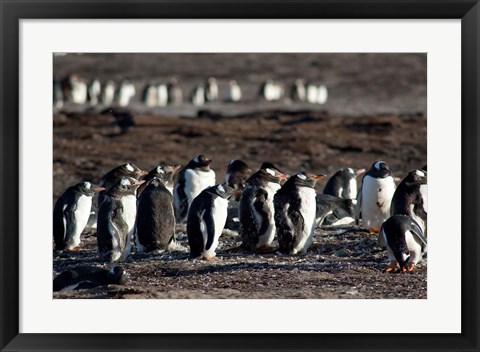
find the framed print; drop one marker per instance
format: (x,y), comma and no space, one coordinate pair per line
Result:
(308,88)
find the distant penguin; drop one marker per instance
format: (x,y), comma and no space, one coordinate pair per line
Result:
(162,94)
(206,219)
(175,94)
(237,174)
(108,93)
(155,224)
(334,211)
(78,89)
(271,91)
(71,213)
(295,209)
(410,198)
(150,95)
(343,183)
(193,179)
(126,92)
(405,242)
(322,94)
(116,220)
(211,90)
(298,91)
(233,93)
(164,173)
(197,96)
(118,172)
(312,93)
(94,91)
(85,277)
(375,196)
(256,209)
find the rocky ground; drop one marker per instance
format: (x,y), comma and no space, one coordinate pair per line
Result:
(376,110)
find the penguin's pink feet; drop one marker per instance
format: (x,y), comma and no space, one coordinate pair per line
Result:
(410,266)
(212,259)
(372,231)
(392,266)
(75,249)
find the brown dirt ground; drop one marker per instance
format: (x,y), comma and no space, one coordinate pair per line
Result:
(343,263)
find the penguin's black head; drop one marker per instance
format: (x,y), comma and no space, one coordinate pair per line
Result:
(201,162)
(238,166)
(124,186)
(117,276)
(416,177)
(380,169)
(165,173)
(88,188)
(273,170)
(132,170)
(223,190)
(305,179)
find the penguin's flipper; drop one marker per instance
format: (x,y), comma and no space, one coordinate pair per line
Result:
(119,228)
(59,230)
(69,214)
(210,228)
(181,200)
(298,225)
(261,206)
(358,208)
(417,231)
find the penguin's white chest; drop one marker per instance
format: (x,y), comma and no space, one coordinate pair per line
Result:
(129,204)
(219,214)
(352,191)
(423,192)
(81,215)
(308,209)
(196,181)
(377,196)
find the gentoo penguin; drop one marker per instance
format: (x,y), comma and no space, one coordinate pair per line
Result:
(312,93)
(175,95)
(71,213)
(155,224)
(256,209)
(233,93)
(94,91)
(116,220)
(211,89)
(78,89)
(343,183)
(334,211)
(197,96)
(375,196)
(193,178)
(298,91)
(295,209)
(150,95)
(85,277)
(322,94)
(164,173)
(126,92)
(162,94)
(206,219)
(108,93)
(271,91)
(410,198)
(111,177)
(237,174)
(405,242)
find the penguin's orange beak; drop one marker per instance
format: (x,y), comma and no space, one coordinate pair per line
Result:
(138,183)
(318,177)
(360,171)
(98,189)
(282,176)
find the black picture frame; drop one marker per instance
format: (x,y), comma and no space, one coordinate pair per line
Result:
(13,11)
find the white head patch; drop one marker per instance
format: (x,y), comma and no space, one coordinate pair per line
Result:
(419,173)
(196,159)
(129,167)
(270,171)
(160,170)
(221,188)
(125,182)
(87,185)
(302,176)
(350,170)
(377,165)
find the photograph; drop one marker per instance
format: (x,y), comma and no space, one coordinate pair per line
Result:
(239,175)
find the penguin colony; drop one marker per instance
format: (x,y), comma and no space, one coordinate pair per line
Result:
(77,90)
(139,210)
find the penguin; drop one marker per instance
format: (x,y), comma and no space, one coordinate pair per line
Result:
(175,95)
(78,89)
(162,94)
(410,198)
(405,242)
(85,277)
(108,93)
(211,90)
(295,209)
(111,177)
(375,196)
(155,224)
(233,93)
(70,214)
(165,173)
(237,174)
(126,91)
(298,91)
(206,219)
(312,93)
(271,91)
(334,211)
(116,220)
(322,94)
(197,96)
(256,209)
(94,90)
(192,179)
(150,95)
(343,183)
